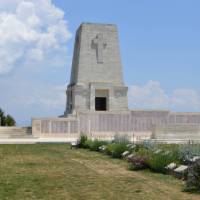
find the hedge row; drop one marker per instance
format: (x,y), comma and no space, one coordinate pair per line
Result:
(150,156)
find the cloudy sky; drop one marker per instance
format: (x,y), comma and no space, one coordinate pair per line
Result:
(160,49)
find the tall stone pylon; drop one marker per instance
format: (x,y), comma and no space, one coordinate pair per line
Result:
(96,82)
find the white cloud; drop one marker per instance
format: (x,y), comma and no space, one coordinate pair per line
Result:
(150,94)
(31,31)
(186,98)
(153,96)
(33,46)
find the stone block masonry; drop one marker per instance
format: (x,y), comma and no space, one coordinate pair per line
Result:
(96,67)
(97,102)
(161,125)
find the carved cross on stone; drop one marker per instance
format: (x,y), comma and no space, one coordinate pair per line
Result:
(99,43)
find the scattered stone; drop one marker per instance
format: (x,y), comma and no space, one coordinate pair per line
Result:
(102,148)
(181,171)
(158,151)
(171,166)
(131,146)
(181,168)
(193,183)
(130,156)
(125,154)
(194,159)
(166,153)
(74,144)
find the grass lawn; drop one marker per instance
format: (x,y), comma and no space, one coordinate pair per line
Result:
(54,172)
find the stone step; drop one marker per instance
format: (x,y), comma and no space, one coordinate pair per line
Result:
(21,136)
(12,135)
(177,132)
(16,136)
(175,141)
(15,132)
(178,136)
(34,140)
(10,129)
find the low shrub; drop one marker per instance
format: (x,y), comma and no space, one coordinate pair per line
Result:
(158,161)
(138,162)
(94,145)
(109,149)
(82,143)
(140,158)
(138,147)
(193,178)
(88,144)
(187,152)
(143,152)
(116,149)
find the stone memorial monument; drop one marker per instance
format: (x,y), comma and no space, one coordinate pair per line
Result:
(96,79)
(97,98)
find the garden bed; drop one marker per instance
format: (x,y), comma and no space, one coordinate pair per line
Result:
(179,160)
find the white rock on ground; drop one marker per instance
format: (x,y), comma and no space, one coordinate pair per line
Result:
(158,151)
(171,166)
(130,156)
(125,153)
(181,171)
(102,148)
(195,158)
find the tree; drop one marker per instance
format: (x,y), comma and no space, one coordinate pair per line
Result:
(10,121)
(6,120)
(2,118)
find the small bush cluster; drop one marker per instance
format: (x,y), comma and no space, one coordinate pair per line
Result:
(155,157)
(113,149)
(93,145)
(116,149)
(138,162)
(193,178)
(158,162)
(187,152)
(83,141)
(161,158)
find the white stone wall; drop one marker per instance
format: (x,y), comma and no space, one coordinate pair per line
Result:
(138,124)
(55,127)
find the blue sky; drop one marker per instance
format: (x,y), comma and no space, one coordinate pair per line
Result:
(160,50)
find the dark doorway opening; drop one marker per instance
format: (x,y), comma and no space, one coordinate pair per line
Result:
(100,103)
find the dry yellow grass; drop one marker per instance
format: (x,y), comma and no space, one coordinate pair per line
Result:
(54,171)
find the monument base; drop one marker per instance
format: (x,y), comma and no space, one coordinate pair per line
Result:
(159,125)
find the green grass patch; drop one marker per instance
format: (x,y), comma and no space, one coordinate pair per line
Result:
(54,171)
